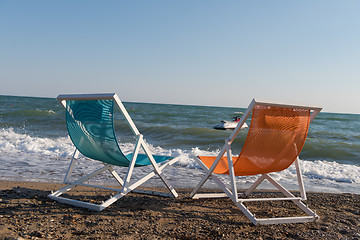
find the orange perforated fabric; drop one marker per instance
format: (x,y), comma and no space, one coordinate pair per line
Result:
(275,139)
(221,168)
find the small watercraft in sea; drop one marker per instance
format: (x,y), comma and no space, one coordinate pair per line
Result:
(229,125)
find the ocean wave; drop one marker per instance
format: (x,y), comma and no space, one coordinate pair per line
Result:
(29,113)
(28,156)
(332,171)
(21,143)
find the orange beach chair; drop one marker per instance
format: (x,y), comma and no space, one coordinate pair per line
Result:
(276,136)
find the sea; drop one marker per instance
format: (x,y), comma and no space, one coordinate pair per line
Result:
(34,145)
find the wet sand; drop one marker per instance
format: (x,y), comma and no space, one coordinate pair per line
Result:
(27,213)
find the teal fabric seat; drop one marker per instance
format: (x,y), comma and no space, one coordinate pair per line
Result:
(90,124)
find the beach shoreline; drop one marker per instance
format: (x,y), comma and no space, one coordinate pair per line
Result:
(27,213)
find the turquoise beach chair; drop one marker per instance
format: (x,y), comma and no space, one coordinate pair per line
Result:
(89,119)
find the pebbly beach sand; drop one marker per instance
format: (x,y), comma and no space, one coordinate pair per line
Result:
(27,213)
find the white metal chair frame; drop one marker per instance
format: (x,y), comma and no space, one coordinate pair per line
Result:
(232,193)
(125,185)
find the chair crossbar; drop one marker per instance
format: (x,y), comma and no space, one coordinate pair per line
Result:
(149,192)
(224,195)
(269,199)
(99,186)
(209,195)
(304,219)
(148,176)
(91,175)
(77,203)
(121,191)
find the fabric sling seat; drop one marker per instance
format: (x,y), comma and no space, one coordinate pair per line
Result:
(91,128)
(276,136)
(90,124)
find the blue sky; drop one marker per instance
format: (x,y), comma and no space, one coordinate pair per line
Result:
(218,53)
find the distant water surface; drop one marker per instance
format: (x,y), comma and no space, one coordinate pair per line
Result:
(34,145)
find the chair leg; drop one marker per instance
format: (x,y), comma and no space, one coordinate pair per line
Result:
(57,195)
(116,176)
(311,215)
(255,184)
(300,179)
(125,184)
(195,195)
(71,166)
(234,195)
(133,186)
(209,171)
(157,168)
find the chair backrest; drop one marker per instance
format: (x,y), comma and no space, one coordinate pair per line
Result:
(91,128)
(275,139)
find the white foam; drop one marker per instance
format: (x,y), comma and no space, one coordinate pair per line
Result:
(332,171)
(25,157)
(52,112)
(12,142)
